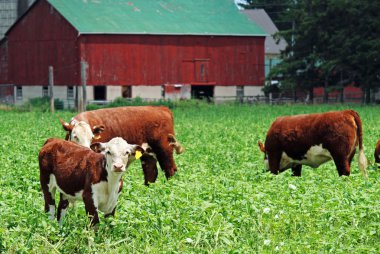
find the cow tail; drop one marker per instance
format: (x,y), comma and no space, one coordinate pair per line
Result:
(359,130)
(175,144)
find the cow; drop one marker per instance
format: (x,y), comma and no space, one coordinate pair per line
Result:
(149,126)
(377,152)
(313,139)
(79,173)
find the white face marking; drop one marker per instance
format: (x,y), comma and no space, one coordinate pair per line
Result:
(147,147)
(119,154)
(314,157)
(82,134)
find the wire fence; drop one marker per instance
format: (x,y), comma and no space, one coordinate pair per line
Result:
(8,96)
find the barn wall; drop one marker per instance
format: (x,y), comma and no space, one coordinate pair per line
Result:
(157,60)
(147,92)
(40,39)
(31,92)
(4,62)
(113,92)
(253,90)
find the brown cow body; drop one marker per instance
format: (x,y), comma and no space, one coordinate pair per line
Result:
(137,125)
(377,152)
(79,173)
(313,139)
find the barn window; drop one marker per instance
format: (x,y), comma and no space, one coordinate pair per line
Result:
(126,91)
(100,93)
(70,92)
(19,92)
(45,91)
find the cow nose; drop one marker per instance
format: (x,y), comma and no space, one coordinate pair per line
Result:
(118,166)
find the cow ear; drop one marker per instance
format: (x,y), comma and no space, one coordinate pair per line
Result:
(138,151)
(66,126)
(97,147)
(139,148)
(261,146)
(97,129)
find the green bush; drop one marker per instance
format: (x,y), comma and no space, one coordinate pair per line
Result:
(40,104)
(122,102)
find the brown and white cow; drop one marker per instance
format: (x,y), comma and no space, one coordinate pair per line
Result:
(313,139)
(78,173)
(148,126)
(377,152)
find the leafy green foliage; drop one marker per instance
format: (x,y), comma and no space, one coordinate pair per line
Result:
(220,201)
(120,102)
(40,104)
(330,42)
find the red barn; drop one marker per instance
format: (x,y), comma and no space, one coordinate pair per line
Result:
(134,48)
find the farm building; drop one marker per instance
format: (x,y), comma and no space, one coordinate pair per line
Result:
(146,48)
(272,47)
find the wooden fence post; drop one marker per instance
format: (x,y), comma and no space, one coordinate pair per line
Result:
(51,88)
(83,71)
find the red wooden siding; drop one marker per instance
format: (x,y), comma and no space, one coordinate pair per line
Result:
(4,62)
(43,38)
(157,60)
(40,39)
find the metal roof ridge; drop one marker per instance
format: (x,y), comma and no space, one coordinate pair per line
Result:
(141,33)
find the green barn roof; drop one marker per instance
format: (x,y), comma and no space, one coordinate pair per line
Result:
(185,17)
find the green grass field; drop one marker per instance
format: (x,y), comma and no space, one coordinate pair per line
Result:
(220,200)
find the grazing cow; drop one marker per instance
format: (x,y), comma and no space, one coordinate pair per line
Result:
(78,173)
(377,152)
(149,126)
(313,139)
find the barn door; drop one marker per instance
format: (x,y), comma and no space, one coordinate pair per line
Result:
(201,68)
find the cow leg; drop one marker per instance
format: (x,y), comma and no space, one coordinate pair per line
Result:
(89,205)
(149,165)
(49,194)
(274,162)
(342,165)
(297,170)
(165,158)
(62,208)
(351,157)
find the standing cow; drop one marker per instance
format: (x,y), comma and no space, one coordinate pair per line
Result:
(377,152)
(78,173)
(313,139)
(148,126)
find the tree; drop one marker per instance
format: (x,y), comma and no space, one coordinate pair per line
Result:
(333,42)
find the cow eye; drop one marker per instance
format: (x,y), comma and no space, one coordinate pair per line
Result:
(108,152)
(126,153)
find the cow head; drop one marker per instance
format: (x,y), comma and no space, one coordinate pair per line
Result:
(81,132)
(262,149)
(119,154)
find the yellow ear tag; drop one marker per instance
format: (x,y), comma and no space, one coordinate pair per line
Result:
(138,155)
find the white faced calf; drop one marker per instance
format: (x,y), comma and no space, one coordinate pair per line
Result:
(81,132)
(78,173)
